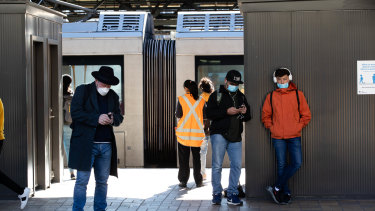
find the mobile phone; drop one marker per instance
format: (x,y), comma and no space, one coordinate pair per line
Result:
(241,106)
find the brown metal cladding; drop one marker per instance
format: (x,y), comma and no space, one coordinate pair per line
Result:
(13,95)
(18,22)
(322,49)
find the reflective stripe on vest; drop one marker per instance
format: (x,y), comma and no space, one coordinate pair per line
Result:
(190,136)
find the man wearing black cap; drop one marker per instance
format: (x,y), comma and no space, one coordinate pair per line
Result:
(228,109)
(95,110)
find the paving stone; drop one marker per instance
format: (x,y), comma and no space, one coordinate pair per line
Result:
(174,207)
(115,204)
(63,209)
(129,196)
(126,209)
(49,208)
(352,208)
(328,202)
(90,203)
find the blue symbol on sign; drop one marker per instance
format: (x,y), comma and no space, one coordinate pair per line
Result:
(373,79)
(361,80)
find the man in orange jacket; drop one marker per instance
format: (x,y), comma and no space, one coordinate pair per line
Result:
(285,112)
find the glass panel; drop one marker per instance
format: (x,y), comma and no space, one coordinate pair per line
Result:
(216,68)
(81,74)
(80,69)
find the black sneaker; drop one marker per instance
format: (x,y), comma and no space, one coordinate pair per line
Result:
(182,184)
(286,198)
(216,199)
(234,200)
(276,195)
(72,176)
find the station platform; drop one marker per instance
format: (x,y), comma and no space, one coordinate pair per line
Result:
(157,189)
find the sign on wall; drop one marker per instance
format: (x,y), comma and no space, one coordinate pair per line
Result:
(366,77)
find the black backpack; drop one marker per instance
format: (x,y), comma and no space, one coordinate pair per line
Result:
(241,192)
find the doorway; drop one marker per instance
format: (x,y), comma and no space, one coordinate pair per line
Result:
(55,149)
(40,110)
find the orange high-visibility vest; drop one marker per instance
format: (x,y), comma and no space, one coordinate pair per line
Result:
(190,130)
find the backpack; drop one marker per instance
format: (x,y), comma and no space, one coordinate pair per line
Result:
(241,192)
(272,107)
(66,108)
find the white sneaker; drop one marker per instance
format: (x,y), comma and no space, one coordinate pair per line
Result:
(24,197)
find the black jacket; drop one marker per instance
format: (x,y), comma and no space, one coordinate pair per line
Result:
(217,111)
(85,115)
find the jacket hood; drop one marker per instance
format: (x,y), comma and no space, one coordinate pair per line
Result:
(292,87)
(222,89)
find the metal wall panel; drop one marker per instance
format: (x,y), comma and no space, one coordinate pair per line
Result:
(12,93)
(267,43)
(322,51)
(159,103)
(16,29)
(307,5)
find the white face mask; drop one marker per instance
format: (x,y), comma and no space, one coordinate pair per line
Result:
(103,91)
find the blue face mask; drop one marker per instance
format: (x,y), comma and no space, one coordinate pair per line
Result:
(232,88)
(283,86)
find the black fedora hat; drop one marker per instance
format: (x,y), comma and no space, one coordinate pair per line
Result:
(105,75)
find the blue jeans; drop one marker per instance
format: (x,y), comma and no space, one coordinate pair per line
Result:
(285,171)
(203,153)
(101,161)
(67,134)
(234,150)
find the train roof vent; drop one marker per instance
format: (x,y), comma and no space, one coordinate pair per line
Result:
(209,21)
(121,22)
(219,22)
(238,22)
(193,22)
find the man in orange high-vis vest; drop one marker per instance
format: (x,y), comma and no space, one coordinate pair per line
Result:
(190,132)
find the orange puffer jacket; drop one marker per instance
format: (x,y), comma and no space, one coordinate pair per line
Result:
(286,122)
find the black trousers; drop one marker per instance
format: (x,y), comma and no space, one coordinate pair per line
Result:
(183,158)
(5,180)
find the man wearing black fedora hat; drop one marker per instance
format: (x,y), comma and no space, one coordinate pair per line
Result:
(95,110)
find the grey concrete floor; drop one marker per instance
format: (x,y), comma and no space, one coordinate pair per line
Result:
(157,189)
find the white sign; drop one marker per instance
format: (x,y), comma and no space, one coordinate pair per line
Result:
(366,77)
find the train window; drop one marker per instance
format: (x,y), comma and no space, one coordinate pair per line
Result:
(216,68)
(81,67)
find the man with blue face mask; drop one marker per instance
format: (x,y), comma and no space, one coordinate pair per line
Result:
(228,109)
(285,112)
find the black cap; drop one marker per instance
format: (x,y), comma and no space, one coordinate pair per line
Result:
(105,75)
(234,76)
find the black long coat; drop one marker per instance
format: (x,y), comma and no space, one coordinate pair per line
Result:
(85,114)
